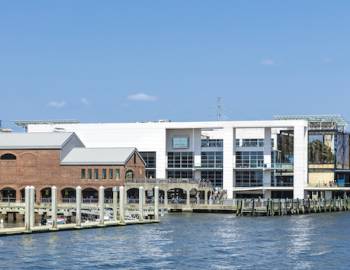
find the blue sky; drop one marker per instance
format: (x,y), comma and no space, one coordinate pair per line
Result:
(146,60)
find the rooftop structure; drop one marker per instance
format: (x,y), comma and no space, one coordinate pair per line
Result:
(319,122)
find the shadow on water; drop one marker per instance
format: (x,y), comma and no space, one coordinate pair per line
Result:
(191,241)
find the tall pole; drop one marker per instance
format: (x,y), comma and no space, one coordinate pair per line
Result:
(156,203)
(115,204)
(78,206)
(121,205)
(27,208)
(54,207)
(101,204)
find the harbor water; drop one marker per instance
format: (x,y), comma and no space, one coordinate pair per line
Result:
(191,241)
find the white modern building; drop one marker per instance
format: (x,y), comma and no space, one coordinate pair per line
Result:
(242,157)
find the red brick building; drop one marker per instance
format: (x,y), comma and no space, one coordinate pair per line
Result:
(60,159)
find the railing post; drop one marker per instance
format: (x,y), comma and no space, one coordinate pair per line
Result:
(115,204)
(31,206)
(54,207)
(156,203)
(141,200)
(27,208)
(121,205)
(78,206)
(101,204)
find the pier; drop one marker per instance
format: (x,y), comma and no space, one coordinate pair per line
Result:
(117,211)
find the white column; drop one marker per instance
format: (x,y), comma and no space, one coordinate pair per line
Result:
(161,155)
(78,206)
(267,157)
(205,197)
(141,200)
(31,207)
(300,160)
(166,198)
(27,208)
(101,204)
(115,203)
(121,205)
(197,148)
(156,203)
(54,207)
(188,201)
(229,139)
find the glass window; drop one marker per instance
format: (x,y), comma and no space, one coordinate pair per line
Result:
(117,174)
(252,142)
(212,159)
(90,173)
(104,173)
(181,142)
(129,175)
(249,178)
(215,177)
(110,173)
(185,175)
(83,173)
(96,174)
(150,159)
(180,160)
(249,159)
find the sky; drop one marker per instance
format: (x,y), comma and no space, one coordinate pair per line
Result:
(122,61)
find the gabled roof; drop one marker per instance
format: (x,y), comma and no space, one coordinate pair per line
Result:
(39,140)
(99,156)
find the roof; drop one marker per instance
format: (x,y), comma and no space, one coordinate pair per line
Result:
(98,156)
(40,140)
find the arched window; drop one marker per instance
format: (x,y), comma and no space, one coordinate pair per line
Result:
(129,175)
(8,156)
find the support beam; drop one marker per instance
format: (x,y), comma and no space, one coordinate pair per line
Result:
(78,206)
(141,200)
(267,157)
(121,205)
(115,204)
(101,204)
(54,207)
(156,203)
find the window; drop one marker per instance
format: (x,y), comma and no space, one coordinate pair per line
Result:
(110,173)
(180,174)
(252,142)
(129,175)
(104,173)
(96,174)
(250,159)
(8,156)
(215,177)
(149,158)
(212,159)
(181,142)
(90,173)
(249,178)
(83,173)
(180,160)
(117,174)
(212,143)
(238,142)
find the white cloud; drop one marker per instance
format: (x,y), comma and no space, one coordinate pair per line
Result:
(268,62)
(327,60)
(85,101)
(57,104)
(142,97)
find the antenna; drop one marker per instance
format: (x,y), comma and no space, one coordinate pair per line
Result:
(219,108)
